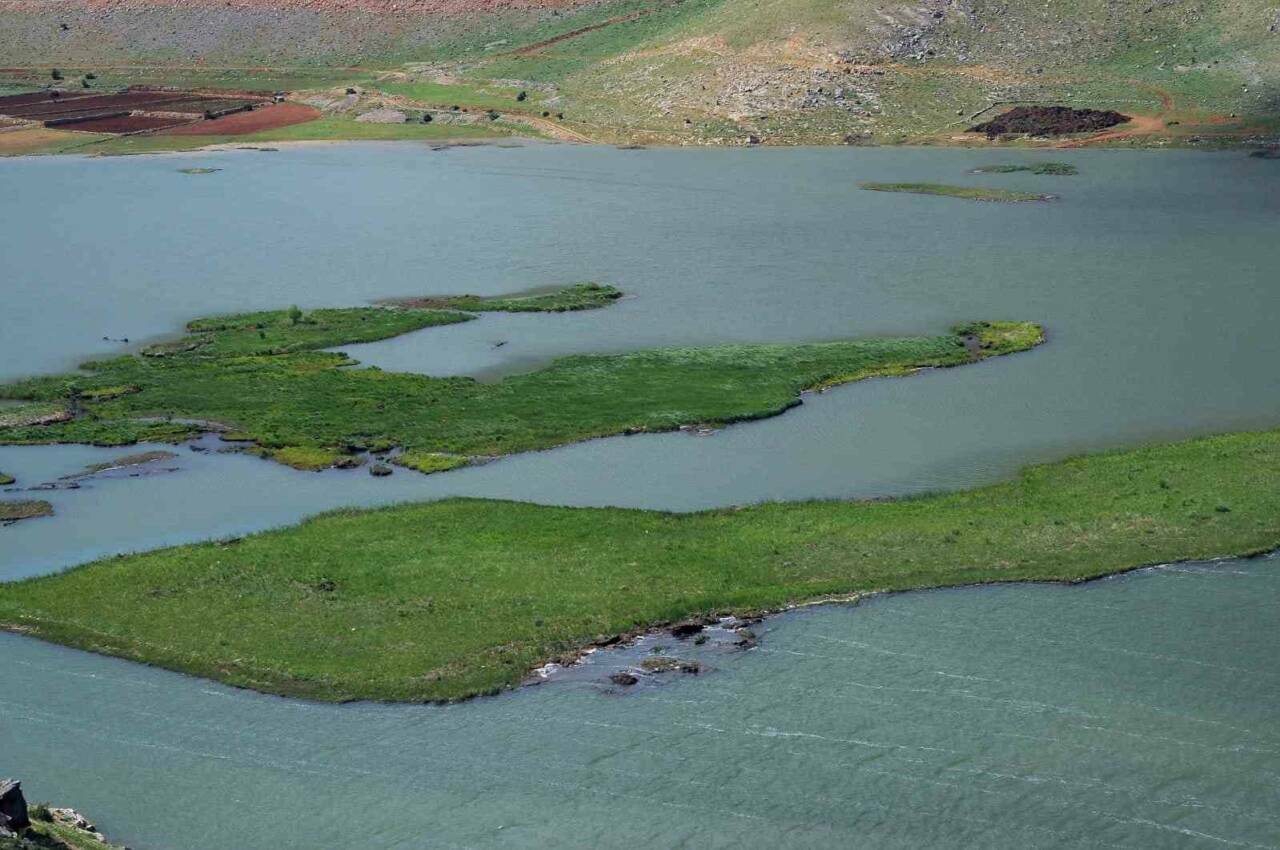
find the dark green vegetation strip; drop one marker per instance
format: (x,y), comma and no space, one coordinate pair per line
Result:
(581,296)
(449,599)
(969,193)
(1052,168)
(12,511)
(260,374)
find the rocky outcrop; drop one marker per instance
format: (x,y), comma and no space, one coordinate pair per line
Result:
(13,807)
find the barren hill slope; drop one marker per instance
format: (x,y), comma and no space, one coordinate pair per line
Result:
(719,70)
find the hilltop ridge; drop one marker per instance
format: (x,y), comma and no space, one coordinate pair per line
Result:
(704,71)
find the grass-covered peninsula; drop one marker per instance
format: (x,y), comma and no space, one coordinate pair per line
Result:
(968,193)
(263,377)
(449,599)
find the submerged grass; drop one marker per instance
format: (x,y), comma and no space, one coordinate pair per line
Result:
(970,193)
(1062,169)
(14,510)
(262,375)
(579,296)
(461,597)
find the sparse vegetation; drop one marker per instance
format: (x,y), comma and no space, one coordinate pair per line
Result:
(969,193)
(580,296)
(14,510)
(1051,168)
(449,599)
(139,459)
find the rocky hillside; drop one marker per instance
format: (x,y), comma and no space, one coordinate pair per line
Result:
(716,70)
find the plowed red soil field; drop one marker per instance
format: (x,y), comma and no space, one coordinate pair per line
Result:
(50,108)
(125,124)
(242,123)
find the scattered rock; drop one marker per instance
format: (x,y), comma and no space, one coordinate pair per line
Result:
(623,678)
(659,664)
(70,817)
(382,116)
(686,630)
(380,470)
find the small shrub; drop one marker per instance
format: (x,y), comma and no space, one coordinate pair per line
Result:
(56,74)
(520,98)
(41,812)
(295,315)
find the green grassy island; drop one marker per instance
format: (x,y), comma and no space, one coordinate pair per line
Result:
(262,377)
(461,597)
(968,193)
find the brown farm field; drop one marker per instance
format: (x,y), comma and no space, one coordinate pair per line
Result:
(242,123)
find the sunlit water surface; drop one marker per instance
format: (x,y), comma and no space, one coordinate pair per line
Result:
(1137,712)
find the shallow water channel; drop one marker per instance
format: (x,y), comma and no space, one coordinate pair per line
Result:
(1135,712)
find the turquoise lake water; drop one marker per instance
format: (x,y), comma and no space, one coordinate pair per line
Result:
(1136,712)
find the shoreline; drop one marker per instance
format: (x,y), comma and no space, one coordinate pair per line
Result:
(550,672)
(1209,144)
(844,551)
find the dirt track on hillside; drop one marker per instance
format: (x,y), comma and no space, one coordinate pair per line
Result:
(1138,125)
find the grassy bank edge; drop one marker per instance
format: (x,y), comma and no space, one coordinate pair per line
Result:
(1225,469)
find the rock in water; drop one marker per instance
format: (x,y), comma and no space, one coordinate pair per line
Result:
(13,806)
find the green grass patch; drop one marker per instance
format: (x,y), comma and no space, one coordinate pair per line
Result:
(429,462)
(284,331)
(38,413)
(334,128)
(12,510)
(262,375)
(969,193)
(307,458)
(47,832)
(461,597)
(469,96)
(1051,168)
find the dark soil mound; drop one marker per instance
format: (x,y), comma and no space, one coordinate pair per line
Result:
(1048,121)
